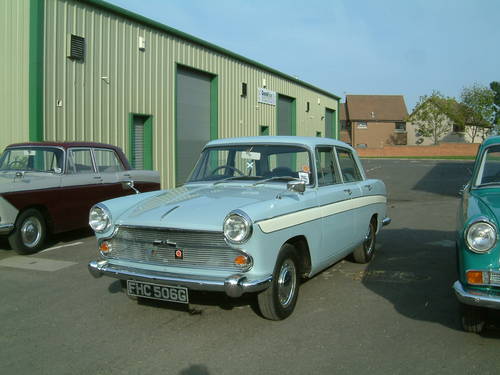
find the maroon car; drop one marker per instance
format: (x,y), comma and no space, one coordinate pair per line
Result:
(51,186)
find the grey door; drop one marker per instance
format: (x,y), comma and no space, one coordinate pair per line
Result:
(193,119)
(329,123)
(286,116)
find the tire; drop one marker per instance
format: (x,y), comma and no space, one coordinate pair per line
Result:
(472,317)
(29,233)
(279,300)
(364,252)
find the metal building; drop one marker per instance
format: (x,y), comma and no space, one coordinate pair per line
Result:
(88,70)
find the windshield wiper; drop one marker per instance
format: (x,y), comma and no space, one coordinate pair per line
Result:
(236,178)
(286,178)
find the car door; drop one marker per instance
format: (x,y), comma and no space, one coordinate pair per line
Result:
(110,168)
(81,187)
(333,197)
(352,179)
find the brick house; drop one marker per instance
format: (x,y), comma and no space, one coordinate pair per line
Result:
(373,120)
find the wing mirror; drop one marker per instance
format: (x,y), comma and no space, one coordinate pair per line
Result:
(296,186)
(129,185)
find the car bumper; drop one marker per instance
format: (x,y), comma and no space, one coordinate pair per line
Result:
(6,228)
(233,286)
(475,297)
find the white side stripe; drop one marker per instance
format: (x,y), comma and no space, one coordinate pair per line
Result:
(296,218)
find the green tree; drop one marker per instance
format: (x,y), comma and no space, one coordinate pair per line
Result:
(478,111)
(431,115)
(495,87)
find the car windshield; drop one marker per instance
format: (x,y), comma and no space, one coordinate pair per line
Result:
(277,163)
(37,159)
(489,173)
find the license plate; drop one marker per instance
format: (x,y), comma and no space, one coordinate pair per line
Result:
(177,294)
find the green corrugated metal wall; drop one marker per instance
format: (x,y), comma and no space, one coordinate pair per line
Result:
(92,100)
(14,76)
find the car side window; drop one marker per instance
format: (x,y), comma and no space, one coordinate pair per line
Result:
(79,161)
(349,169)
(107,161)
(326,166)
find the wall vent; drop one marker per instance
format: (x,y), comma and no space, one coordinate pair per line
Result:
(76,47)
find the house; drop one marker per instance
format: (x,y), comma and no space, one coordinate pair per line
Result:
(451,124)
(373,120)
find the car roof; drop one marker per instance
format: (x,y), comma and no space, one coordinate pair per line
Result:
(311,142)
(65,144)
(491,141)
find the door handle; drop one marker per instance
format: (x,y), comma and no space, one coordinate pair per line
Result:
(369,187)
(348,191)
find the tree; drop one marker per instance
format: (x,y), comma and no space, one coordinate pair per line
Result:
(430,115)
(495,87)
(478,109)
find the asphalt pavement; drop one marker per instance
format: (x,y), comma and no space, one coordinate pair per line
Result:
(396,315)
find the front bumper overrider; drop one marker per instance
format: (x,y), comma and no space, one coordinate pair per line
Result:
(476,297)
(233,286)
(6,228)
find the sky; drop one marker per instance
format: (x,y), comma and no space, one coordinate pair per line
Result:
(385,47)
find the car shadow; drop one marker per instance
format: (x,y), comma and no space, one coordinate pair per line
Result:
(455,174)
(197,300)
(416,276)
(54,239)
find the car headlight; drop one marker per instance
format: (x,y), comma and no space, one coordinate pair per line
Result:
(237,227)
(99,218)
(481,236)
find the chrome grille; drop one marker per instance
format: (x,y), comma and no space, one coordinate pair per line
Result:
(200,249)
(495,278)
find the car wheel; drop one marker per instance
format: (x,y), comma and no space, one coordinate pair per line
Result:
(278,301)
(473,318)
(29,233)
(364,252)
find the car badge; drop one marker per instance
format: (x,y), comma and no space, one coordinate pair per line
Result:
(179,254)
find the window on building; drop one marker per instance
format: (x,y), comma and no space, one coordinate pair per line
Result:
(400,126)
(362,125)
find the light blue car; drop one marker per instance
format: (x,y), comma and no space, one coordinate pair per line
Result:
(256,215)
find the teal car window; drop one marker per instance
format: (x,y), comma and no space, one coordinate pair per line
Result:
(253,162)
(489,172)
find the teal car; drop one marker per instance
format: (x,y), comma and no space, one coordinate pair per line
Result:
(478,248)
(256,216)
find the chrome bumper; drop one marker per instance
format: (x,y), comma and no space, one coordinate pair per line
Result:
(6,228)
(233,286)
(476,298)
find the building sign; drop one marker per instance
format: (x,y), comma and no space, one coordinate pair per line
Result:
(267,96)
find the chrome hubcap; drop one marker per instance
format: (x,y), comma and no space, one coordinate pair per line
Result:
(31,232)
(369,239)
(287,282)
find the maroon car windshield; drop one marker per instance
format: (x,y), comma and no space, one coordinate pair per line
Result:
(37,159)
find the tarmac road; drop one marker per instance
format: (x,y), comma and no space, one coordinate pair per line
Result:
(396,315)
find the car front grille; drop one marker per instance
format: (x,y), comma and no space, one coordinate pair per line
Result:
(158,246)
